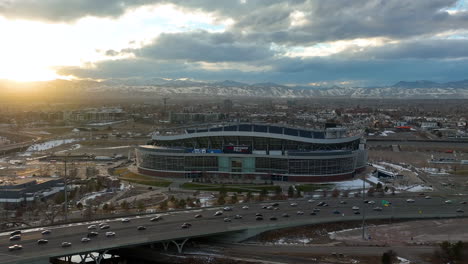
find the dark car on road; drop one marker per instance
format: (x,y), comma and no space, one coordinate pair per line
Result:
(16,232)
(93,234)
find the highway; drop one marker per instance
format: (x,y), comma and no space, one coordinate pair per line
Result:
(169,228)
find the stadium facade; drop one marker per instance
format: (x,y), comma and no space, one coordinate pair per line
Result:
(256,152)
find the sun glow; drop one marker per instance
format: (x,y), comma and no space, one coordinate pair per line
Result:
(32,50)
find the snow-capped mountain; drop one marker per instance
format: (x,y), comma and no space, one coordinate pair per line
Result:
(160,86)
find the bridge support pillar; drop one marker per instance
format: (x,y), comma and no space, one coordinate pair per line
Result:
(180,246)
(99,258)
(165,245)
(83,258)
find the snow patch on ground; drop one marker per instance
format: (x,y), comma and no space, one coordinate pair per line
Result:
(105,123)
(92,196)
(416,188)
(332,235)
(292,241)
(386,132)
(394,166)
(403,260)
(118,147)
(73,147)
(373,179)
(352,184)
(50,144)
(435,171)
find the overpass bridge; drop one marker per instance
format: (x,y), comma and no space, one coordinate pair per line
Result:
(169,233)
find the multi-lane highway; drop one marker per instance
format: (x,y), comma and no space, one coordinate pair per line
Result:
(169,228)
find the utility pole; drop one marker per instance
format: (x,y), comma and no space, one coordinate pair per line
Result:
(363,207)
(66,190)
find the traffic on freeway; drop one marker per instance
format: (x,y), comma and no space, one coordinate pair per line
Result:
(55,241)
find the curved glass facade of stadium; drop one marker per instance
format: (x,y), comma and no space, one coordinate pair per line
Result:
(249,151)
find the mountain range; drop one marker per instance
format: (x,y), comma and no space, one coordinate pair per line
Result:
(160,86)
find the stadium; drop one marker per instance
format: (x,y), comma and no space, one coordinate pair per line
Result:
(254,152)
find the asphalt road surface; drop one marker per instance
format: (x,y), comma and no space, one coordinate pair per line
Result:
(169,228)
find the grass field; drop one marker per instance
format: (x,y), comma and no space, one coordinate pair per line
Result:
(227,188)
(460,172)
(126,175)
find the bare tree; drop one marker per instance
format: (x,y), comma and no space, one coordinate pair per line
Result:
(50,211)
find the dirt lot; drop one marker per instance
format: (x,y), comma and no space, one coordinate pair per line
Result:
(427,232)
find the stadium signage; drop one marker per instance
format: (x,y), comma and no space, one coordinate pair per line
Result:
(205,151)
(237,149)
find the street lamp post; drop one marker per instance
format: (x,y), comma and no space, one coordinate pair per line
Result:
(66,190)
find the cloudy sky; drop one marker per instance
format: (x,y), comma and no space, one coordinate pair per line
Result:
(307,42)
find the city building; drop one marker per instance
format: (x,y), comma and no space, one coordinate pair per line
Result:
(254,152)
(29,191)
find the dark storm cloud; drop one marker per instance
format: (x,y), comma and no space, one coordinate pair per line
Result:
(422,49)
(202,46)
(269,21)
(65,11)
(123,68)
(414,25)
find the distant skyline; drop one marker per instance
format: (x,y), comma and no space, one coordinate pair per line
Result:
(295,42)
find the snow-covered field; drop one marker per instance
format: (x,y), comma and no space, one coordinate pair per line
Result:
(50,145)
